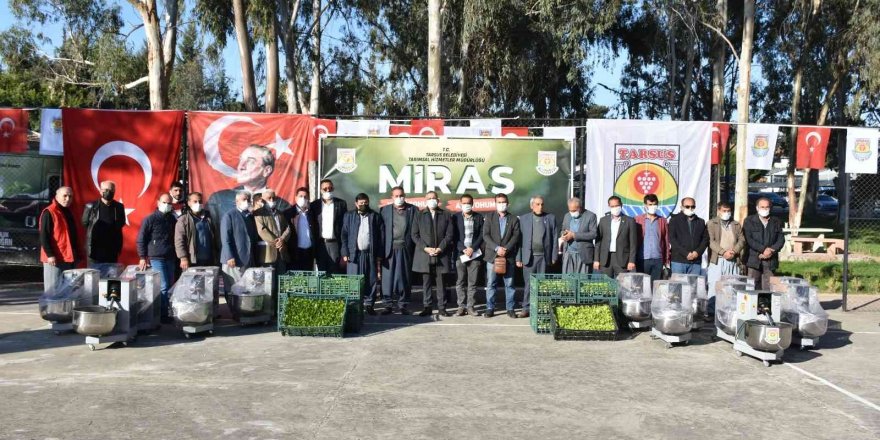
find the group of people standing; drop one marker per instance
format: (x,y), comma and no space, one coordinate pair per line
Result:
(389,245)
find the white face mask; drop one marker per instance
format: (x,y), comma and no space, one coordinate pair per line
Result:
(164,208)
(575,214)
(301,202)
(327,195)
(501,207)
(244,205)
(467,207)
(764,213)
(651,209)
(688,212)
(615,211)
(195,208)
(399,201)
(269,203)
(432,203)
(725,216)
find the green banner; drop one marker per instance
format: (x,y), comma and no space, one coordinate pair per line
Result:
(518,167)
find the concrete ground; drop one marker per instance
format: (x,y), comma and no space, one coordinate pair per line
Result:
(414,378)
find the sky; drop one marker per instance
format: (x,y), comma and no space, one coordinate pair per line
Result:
(608,76)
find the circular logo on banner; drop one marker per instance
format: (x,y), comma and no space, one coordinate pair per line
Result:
(862,149)
(642,179)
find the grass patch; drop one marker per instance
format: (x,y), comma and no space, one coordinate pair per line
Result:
(864,276)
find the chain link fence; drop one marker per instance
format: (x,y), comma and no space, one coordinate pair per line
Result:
(860,271)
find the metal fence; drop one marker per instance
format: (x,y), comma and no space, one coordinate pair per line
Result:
(860,275)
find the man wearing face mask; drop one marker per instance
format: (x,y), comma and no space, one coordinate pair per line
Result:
(688,239)
(616,241)
(764,238)
(469,244)
(302,232)
(273,230)
(399,250)
(501,235)
(578,232)
(103,221)
(432,233)
(194,235)
(59,246)
(538,249)
(363,244)
(238,240)
(329,212)
(653,250)
(155,247)
(726,242)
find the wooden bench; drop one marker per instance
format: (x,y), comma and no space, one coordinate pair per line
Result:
(831,245)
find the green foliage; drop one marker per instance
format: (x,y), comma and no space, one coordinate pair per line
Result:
(313,312)
(585,317)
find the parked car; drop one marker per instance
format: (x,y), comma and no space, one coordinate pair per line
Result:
(826,205)
(778,204)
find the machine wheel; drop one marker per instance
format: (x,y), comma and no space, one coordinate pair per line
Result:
(713,338)
(187,335)
(668,345)
(687,342)
(737,353)
(767,364)
(211,332)
(92,347)
(653,337)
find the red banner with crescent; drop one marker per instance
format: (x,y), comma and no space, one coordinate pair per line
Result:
(720,136)
(812,144)
(229,152)
(139,150)
(13,130)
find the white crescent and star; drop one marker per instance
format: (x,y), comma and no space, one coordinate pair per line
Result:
(715,143)
(130,150)
(9,121)
(212,143)
(818,139)
(320,130)
(430,131)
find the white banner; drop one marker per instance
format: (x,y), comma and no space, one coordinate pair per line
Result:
(633,158)
(51,142)
(567,133)
(486,127)
(761,146)
(375,127)
(861,150)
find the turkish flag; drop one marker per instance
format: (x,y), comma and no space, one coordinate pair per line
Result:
(13,130)
(139,150)
(514,131)
(400,129)
(427,127)
(229,152)
(812,144)
(720,135)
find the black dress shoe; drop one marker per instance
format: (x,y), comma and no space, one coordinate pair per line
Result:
(425,312)
(511,314)
(489,313)
(405,311)
(385,311)
(371,311)
(442,312)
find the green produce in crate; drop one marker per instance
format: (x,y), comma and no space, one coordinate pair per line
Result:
(289,283)
(552,286)
(313,312)
(597,317)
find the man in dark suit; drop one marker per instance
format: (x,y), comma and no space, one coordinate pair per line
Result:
(238,240)
(538,249)
(578,232)
(329,212)
(363,246)
(688,239)
(468,244)
(432,234)
(616,240)
(399,248)
(302,234)
(501,238)
(765,240)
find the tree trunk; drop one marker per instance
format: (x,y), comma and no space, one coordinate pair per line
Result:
(434,49)
(287,30)
(671,66)
(245,52)
(272,68)
(155,59)
(315,94)
(741,201)
(794,214)
(172,17)
(718,80)
(688,81)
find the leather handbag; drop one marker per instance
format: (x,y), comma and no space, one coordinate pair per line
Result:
(500,265)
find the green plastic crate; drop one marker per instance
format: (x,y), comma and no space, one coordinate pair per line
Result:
(547,288)
(299,282)
(351,286)
(326,331)
(592,287)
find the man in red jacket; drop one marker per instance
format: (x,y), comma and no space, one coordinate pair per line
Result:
(653,249)
(59,246)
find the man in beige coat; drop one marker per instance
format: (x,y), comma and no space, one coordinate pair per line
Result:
(726,244)
(195,235)
(274,230)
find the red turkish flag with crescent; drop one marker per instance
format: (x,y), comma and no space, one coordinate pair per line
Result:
(13,130)
(515,131)
(418,127)
(812,144)
(139,150)
(251,151)
(720,135)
